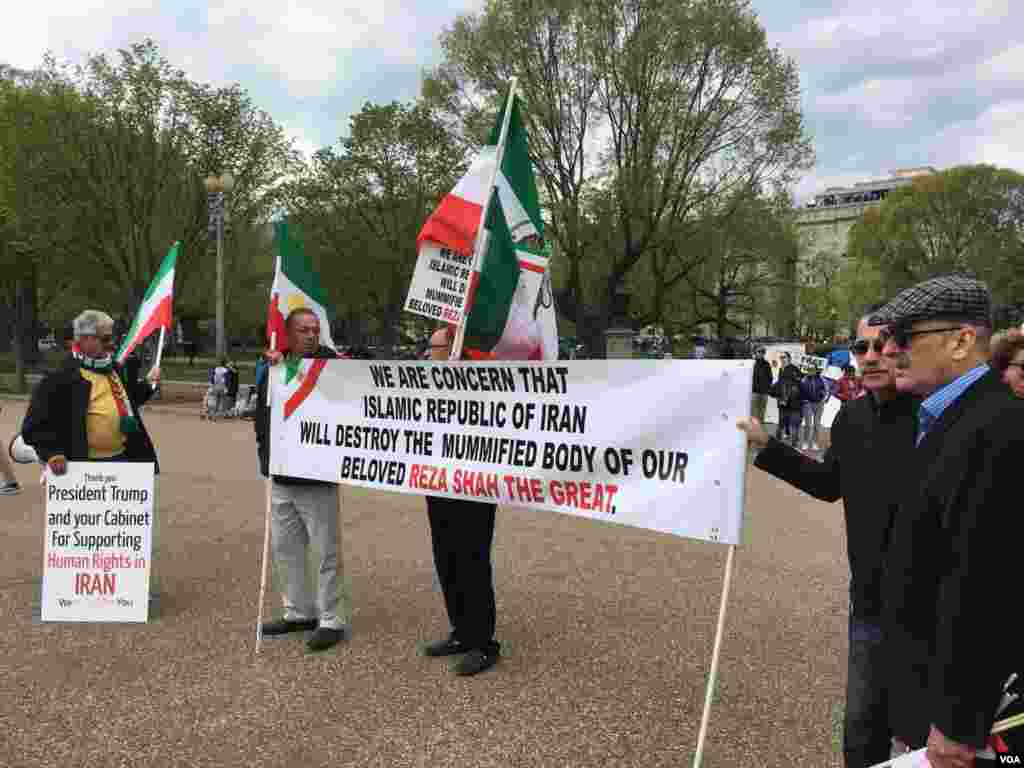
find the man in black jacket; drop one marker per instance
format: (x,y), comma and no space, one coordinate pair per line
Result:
(88,410)
(870,439)
(762,385)
(954,546)
(303,512)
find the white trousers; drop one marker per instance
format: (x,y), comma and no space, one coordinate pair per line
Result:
(304,518)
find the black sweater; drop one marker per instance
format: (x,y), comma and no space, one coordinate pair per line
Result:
(870,448)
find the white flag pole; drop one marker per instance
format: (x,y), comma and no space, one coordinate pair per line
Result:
(480,245)
(160,346)
(266,521)
(712,676)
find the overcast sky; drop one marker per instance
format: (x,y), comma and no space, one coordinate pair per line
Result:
(885,85)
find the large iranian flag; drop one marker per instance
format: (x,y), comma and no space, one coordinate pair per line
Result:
(454,223)
(156,309)
(296,285)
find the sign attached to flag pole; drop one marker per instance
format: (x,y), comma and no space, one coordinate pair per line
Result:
(439,284)
(156,308)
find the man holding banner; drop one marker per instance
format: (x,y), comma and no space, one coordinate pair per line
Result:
(871,440)
(304,512)
(461,534)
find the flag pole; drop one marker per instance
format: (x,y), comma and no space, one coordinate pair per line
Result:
(160,346)
(710,693)
(481,236)
(266,521)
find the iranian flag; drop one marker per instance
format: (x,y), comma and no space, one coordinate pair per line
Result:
(296,285)
(454,223)
(155,311)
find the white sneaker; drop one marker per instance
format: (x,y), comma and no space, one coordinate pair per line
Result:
(10,489)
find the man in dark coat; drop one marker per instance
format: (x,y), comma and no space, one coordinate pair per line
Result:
(871,439)
(954,544)
(88,410)
(762,385)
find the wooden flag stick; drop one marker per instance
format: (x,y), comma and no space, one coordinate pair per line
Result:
(710,694)
(266,522)
(160,346)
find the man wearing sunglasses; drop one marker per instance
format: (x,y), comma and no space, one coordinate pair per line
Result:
(870,439)
(88,410)
(954,542)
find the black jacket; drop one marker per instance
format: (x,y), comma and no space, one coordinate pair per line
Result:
(261,423)
(762,377)
(55,421)
(952,569)
(870,443)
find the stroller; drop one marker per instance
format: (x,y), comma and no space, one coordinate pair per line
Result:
(245,403)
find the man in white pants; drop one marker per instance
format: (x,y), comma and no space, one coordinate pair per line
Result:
(304,513)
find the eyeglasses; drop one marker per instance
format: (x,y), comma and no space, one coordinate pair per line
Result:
(901,336)
(861,346)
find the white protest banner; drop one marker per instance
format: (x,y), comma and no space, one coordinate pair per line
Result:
(648,443)
(439,282)
(915,759)
(99,538)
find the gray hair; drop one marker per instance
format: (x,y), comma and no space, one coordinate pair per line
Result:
(89,322)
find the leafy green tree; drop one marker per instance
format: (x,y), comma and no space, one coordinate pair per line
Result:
(966,219)
(650,109)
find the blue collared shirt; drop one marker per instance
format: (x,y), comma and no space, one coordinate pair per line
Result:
(938,401)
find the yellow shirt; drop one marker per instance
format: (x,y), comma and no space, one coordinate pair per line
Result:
(102,421)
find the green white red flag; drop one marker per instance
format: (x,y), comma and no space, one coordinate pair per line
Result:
(511,308)
(156,308)
(455,221)
(296,286)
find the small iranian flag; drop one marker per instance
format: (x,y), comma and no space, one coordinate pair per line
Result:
(155,311)
(455,221)
(296,286)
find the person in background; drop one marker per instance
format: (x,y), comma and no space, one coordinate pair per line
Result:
(1008,360)
(9,485)
(762,385)
(813,396)
(786,391)
(848,386)
(219,382)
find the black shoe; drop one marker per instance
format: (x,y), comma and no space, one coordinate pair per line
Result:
(476,661)
(324,638)
(283,626)
(447,647)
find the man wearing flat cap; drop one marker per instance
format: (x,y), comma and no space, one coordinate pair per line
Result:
(953,546)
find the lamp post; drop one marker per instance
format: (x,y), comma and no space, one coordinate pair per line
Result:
(216,187)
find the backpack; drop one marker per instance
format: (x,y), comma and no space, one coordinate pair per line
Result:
(789,393)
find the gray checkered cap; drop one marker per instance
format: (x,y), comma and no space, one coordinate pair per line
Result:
(946,296)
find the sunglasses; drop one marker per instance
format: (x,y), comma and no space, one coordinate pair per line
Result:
(861,346)
(901,336)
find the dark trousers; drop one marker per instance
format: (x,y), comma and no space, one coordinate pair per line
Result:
(866,737)
(461,532)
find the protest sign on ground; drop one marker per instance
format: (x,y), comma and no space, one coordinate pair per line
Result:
(99,536)
(648,443)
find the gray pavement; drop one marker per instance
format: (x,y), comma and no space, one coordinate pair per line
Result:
(606,632)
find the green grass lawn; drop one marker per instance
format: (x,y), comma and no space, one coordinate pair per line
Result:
(171,368)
